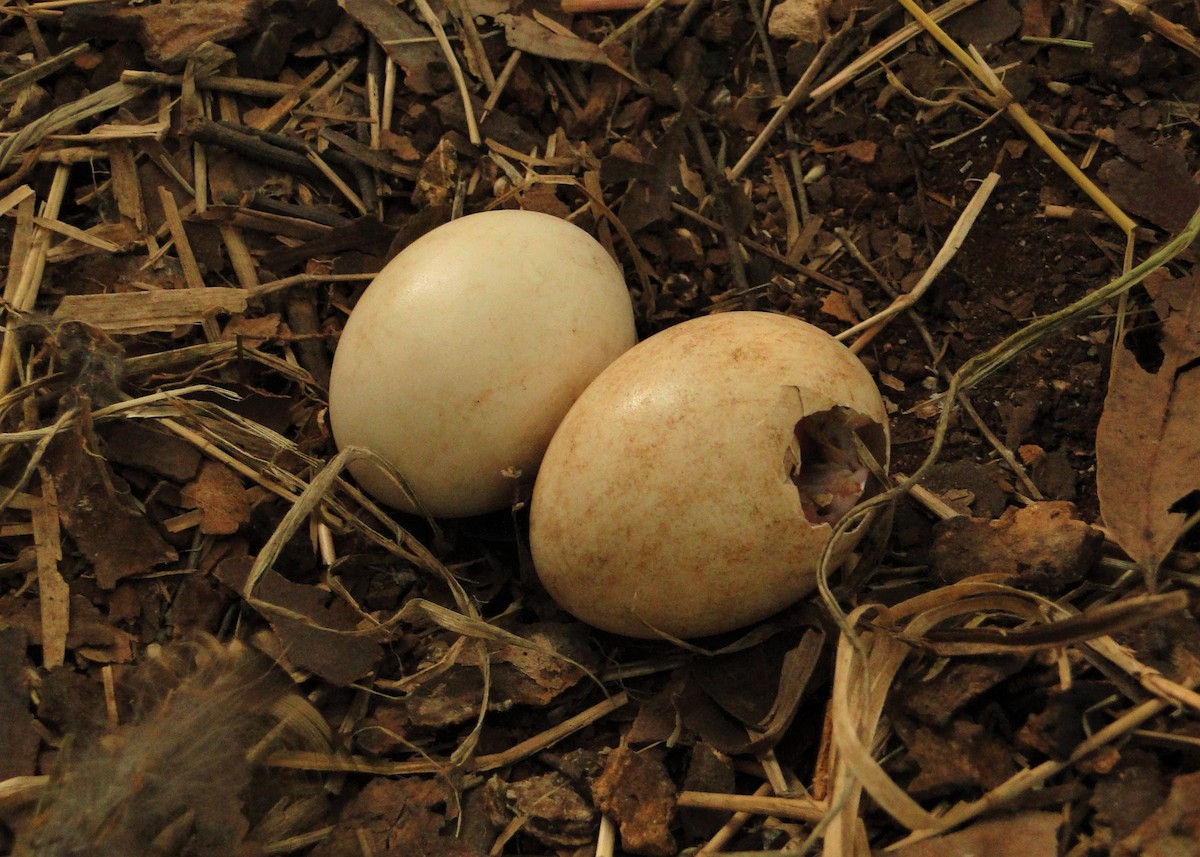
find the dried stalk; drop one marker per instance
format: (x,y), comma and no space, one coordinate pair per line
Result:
(65,116)
(23,295)
(953,243)
(1177,34)
(431,19)
(800,92)
(999,92)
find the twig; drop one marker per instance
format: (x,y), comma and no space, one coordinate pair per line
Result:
(606,837)
(216,82)
(719,187)
(586,6)
(803,809)
(731,827)
(803,90)
(15,83)
(762,249)
(958,235)
(473,42)
(984,74)
(631,23)
(800,91)
(337,182)
(24,290)
(489,762)
(54,598)
(460,80)
(1169,30)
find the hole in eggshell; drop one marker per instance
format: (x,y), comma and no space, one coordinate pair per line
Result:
(824,465)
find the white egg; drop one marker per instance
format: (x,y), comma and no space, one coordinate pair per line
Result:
(462,356)
(692,487)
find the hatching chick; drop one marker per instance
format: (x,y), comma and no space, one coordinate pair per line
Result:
(169,783)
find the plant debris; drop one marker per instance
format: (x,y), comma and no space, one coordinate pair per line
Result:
(991,202)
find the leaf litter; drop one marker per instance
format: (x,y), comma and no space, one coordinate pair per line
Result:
(167,469)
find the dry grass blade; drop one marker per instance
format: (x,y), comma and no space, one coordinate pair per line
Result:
(489,762)
(21,290)
(981,72)
(1096,622)
(33,74)
(108,98)
(953,242)
(803,90)
(431,19)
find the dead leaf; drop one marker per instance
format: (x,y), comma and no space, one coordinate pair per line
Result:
(218,493)
(1147,445)
(837,305)
(324,644)
(1153,182)
(135,444)
(1028,834)
(405,41)
(988,23)
(1043,547)
(1174,829)
(252,332)
(863,151)
(934,700)
(523,33)
(961,755)
(96,510)
(90,632)
(403,816)
(520,675)
(19,739)
(552,811)
(1130,793)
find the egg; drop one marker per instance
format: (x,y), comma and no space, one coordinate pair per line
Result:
(693,486)
(461,357)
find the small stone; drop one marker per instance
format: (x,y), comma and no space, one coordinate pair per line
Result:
(799,20)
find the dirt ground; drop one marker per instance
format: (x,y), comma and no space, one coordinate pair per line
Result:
(194,195)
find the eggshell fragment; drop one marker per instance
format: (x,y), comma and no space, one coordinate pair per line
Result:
(462,356)
(692,487)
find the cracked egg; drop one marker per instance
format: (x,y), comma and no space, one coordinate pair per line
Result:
(693,486)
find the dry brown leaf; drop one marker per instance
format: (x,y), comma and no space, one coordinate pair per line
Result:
(395,817)
(1147,445)
(552,810)
(520,675)
(1043,547)
(19,739)
(218,493)
(525,34)
(141,312)
(170,32)
(97,511)
(1173,830)
(838,305)
(1029,834)
(324,640)
(406,42)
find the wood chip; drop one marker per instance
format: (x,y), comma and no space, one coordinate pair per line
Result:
(142,312)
